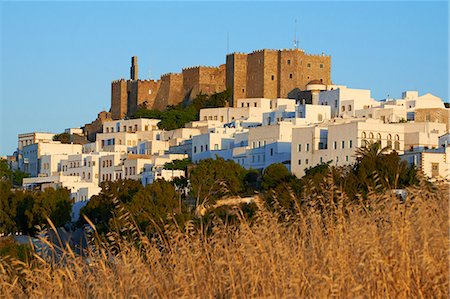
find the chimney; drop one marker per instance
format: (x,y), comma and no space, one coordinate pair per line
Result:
(134,68)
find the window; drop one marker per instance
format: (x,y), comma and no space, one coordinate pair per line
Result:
(290,76)
(321,160)
(308,65)
(335,103)
(273,77)
(379,137)
(306,161)
(434,169)
(397,145)
(371,136)
(216,146)
(389,140)
(271,151)
(343,108)
(206,148)
(307,147)
(321,66)
(299,147)
(335,145)
(289,62)
(349,107)
(201,148)
(243,90)
(346,158)
(195,149)
(320,117)
(350,143)
(300,162)
(343,144)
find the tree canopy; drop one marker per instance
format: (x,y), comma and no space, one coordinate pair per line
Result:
(176,116)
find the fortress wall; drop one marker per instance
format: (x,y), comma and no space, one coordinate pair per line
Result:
(118,99)
(236,76)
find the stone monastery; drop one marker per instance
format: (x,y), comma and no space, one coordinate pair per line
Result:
(260,74)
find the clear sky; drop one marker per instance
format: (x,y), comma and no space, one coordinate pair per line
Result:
(58,58)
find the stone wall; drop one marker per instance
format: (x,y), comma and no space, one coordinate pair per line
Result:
(90,130)
(274,73)
(236,75)
(170,91)
(440,115)
(260,74)
(119,99)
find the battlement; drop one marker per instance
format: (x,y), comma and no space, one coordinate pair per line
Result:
(198,67)
(237,53)
(139,80)
(171,75)
(147,81)
(264,50)
(317,55)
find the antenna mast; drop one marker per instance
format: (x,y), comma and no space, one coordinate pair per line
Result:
(295,35)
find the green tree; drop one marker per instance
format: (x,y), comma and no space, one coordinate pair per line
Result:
(376,169)
(146,113)
(212,179)
(100,208)
(275,174)
(5,171)
(8,208)
(178,164)
(155,203)
(54,204)
(63,137)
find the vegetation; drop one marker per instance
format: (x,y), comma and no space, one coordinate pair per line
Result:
(338,232)
(22,211)
(14,177)
(178,164)
(397,249)
(63,137)
(10,249)
(177,116)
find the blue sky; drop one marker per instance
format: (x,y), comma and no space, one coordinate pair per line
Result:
(58,58)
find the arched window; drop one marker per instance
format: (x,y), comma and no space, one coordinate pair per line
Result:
(389,140)
(364,135)
(378,136)
(397,145)
(364,143)
(371,136)
(397,137)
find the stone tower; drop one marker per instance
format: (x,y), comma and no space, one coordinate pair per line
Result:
(134,68)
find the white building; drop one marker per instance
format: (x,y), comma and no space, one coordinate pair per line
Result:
(31,154)
(345,101)
(337,142)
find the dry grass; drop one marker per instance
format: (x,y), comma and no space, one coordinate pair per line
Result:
(393,249)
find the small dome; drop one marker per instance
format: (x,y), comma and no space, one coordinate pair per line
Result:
(315,81)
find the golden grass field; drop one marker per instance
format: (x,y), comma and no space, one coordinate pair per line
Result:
(388,250)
